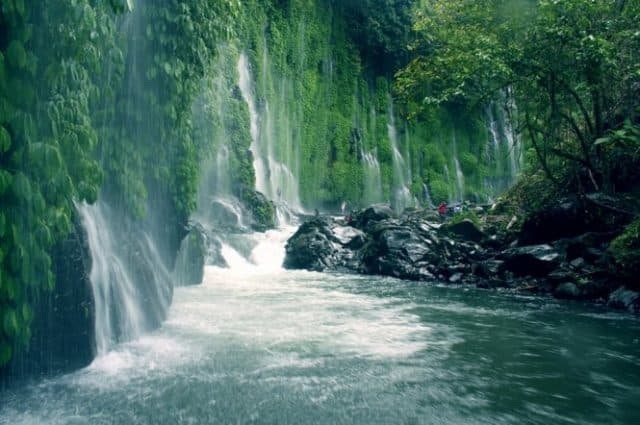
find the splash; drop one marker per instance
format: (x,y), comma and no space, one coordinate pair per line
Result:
(131,286)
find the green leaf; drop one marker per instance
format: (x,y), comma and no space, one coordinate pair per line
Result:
(11,324)
(5,181)
(9,288)
(5,353)
(22,187)
(2,226)
(16,55)
(27,313)
(5,140)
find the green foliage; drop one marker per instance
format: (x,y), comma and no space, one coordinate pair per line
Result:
(625,250)
(71,118)
(465,215)
(439,191)
(380,29)
(583,82)
(468,163)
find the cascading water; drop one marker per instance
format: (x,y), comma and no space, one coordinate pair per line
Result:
(275,154)
(132,288)
(372,177)
(246,88)
(447,176)
(459,180)
(504,147)
(513,140)
(427,198)
(402,197)
(460,189)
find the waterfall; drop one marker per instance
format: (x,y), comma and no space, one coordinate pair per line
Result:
(131,286)
(447,176)
(513,141)
(372,177)
(460,190)
(427,198)
(246,88)
(504,147)
(275,156)
(459,180)
(401,171)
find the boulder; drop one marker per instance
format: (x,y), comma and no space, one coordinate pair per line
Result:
(313,247)
(625,299)
(225,213)
(536,260)
(571,217)
(488,269)
(190,260)
(402,250)
(372,214)
(214,255)
(349,236)
(63,318)
(263,211)
(564,220)
(467,230)
(567,291)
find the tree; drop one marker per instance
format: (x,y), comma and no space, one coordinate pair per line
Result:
(572,67)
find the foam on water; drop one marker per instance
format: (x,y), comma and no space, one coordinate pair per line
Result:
(265,345)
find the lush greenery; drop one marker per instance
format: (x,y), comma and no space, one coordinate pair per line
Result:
(625,250)
(324,70)
(572,67)
(130,101)
(85,105)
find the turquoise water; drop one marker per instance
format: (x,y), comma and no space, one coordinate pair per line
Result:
(275,347)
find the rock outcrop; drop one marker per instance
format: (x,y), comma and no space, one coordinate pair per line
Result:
(419,246)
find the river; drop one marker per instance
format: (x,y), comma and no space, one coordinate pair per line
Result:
(256,344)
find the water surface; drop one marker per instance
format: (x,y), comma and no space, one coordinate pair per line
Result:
(264,346)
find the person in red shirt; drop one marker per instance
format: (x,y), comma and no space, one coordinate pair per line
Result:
(442,208)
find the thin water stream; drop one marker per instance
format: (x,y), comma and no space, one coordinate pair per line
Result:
(256,344)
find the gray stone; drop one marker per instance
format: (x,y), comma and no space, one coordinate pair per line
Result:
(567,290)
(455,278)
(535,260)
(625,299)
(190,260)
(467,230)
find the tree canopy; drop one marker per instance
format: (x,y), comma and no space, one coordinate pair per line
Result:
(571,66)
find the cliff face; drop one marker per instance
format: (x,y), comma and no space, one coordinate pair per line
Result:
(152,110)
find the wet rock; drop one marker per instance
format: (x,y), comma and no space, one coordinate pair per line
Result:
(455,278)
(225,214)
(589,246)
(564,220)
(349,236)
(214,255)
(467,230)
(568,291)
(372,214)
(313,247)
(190,260)
(384,253)
(63,319)
(577,263)
(625,299)
(263,211)
(571,217)
(488,268)
(536,260)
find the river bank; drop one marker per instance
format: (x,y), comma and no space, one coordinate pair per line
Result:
(562,251)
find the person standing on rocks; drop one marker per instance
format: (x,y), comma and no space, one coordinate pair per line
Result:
(442,209)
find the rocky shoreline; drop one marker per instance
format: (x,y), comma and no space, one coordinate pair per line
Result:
(560,252)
